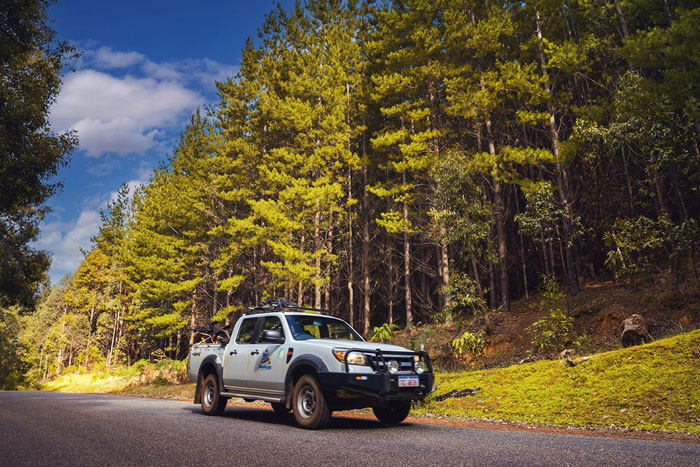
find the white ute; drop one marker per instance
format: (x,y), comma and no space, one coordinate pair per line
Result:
(304,361)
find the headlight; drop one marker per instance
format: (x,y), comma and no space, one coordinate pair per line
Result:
(354,358)
(393,366)
(419,367)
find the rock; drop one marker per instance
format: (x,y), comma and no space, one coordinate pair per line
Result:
(635,331)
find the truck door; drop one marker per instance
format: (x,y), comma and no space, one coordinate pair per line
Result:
(238,354)
(268,367)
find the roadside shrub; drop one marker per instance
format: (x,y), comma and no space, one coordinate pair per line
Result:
(463,296)
(470,345)
(383,333)
(552,333)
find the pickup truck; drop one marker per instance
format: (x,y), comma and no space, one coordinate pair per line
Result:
(309,363)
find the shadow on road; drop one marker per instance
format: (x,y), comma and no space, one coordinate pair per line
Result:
(338,422)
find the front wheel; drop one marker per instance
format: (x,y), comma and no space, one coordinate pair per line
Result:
(394,414)
(212,401)
(311,410)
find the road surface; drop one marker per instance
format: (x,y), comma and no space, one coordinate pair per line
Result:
(43,428)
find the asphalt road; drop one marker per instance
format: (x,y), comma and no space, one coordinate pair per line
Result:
(42,428)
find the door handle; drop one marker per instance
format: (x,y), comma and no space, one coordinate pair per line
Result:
(233,352)
(255,352)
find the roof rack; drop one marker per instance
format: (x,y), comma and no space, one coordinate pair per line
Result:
(283,305)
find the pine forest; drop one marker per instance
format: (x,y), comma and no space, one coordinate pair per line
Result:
(402,163)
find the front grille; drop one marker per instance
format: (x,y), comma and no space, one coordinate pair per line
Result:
(380,361)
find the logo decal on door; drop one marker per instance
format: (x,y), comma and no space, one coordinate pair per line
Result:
(265,363)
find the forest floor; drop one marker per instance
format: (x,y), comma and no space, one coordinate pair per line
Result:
(648,388)
(598,312)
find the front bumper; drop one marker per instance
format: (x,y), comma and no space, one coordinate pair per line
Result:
(376,386)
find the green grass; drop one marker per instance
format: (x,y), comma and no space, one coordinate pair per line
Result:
(649,387)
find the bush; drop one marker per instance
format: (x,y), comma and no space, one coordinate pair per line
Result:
(383,333)
(463,296)
(552,333)
(470,344)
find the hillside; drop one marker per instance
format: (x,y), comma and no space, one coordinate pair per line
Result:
(597,316)
(649,387)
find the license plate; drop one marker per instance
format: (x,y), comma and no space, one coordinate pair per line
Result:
(408,381)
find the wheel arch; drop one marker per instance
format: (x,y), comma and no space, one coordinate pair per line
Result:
(208,367)
(307,364)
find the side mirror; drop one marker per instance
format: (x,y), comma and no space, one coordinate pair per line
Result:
(272,336)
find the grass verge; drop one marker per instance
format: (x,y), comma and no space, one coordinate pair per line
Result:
(649,387)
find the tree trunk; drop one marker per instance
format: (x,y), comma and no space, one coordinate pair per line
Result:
(407,261)
(193,316)
(623,20)
(501,244)
(445,270)
(390,252)
(522,250)
(475,272)
(625,165)
(300,286)
(351,258)
(563,184)
(365,256)
(317,246)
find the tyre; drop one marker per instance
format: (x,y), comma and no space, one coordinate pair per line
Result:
(311,410)
(212,401)
(394,414)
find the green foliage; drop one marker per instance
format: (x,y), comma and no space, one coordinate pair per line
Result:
(638,245)
(555,331)
(30,151)
(383,333)
(463,294)
(542,214)
(552,333)
(472,344)
(11,349)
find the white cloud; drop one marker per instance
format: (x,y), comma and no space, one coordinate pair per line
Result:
(119,115)
(105,58)
(121,102)
(63,240)
(202,72)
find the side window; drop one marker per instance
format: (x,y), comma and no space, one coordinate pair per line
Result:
(246,331)
(272,323)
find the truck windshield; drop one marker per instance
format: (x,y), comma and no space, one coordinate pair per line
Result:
(320,327)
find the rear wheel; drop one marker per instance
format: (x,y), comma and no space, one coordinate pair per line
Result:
(394,414)
(310,407)
(213,403)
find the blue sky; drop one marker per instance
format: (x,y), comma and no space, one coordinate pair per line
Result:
(146,66)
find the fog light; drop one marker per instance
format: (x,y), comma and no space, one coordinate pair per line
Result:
(419,367)
(393,366)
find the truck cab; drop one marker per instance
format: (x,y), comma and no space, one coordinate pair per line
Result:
(309,363)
